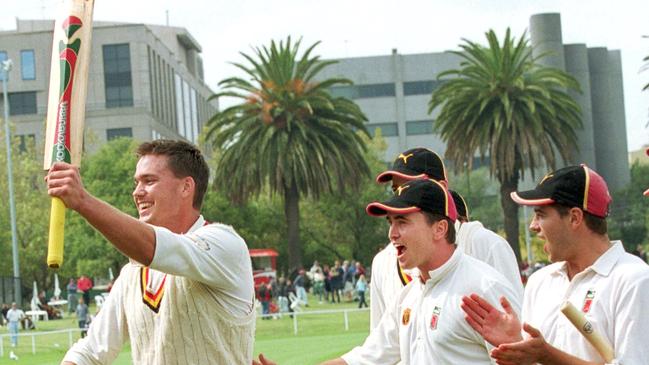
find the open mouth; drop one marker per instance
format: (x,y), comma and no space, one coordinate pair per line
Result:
(400,249)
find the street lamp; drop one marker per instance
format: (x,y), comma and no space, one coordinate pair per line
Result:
(6,66)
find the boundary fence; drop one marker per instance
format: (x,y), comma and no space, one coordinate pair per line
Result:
(73,332)
(33,336)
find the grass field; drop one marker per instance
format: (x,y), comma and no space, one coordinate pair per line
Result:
(320,337)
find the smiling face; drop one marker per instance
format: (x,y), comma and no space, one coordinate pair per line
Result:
(412,236)
(555,230)
(158,193)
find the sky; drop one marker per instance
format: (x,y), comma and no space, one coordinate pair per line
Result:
(354,28)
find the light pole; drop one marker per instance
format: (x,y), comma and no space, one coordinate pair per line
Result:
(6,66)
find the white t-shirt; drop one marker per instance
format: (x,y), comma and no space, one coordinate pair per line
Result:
(477,241)
(426,324)
(15,315)
(614,295)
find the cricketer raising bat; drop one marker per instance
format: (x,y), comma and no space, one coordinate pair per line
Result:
(582,324)
(66,105)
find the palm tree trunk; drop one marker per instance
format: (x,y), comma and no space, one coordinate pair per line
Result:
(292,214)
(510,211)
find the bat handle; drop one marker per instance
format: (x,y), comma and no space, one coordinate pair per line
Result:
(55,242)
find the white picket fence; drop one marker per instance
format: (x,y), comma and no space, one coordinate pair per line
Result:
(296,314)
(72,337)
(73,332)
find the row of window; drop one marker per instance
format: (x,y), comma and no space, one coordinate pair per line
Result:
(413,128)
(27,63)
(385,90)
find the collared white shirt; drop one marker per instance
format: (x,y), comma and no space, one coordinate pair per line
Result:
(426,324)
(472,238)
(477,241)
(15,315)
(613,293)
(212,254)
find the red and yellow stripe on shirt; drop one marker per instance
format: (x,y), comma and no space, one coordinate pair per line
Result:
(151,298)
(405,278)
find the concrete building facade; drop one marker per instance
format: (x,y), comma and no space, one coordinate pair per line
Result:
(394,90)
(145,82)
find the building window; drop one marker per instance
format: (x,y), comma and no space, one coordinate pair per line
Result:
(117,75)
(420,87)
(27,64)
(364,91)
(387,129)
(22,103)
(113,133)
(419,127)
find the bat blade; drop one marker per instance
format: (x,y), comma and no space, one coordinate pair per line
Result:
(66,109)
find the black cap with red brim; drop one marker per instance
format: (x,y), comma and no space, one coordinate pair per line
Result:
(572,186)
(414,196)
(415,163)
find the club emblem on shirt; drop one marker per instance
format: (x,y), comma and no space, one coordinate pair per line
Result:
(590,295)
(433,321)
(405,318)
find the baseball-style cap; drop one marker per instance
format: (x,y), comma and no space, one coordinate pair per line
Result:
(460,205)
(573,186)
(416,163)
(414,196)
(646,192)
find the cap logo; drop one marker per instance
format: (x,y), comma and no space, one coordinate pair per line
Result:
(546,177)
(402,188)
(405,157)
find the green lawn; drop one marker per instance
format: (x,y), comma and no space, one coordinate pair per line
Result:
(274,338)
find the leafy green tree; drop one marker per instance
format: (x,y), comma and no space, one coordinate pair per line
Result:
(288,135)
(629,218)
(513,112)
(336,226)
(107,174)
(32,215)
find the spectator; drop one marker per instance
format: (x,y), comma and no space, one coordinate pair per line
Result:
(326,272)
(265,295)
(300,291)
(3,317)
(282,295)
(72,296)
(337,274)
(82,317)
(85,284)
(361,288)
(14,315)
(319,284)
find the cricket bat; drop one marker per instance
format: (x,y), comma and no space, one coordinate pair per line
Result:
(66,106)
(586,329)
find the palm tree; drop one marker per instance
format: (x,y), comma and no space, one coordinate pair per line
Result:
(288,135)
(503,105)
